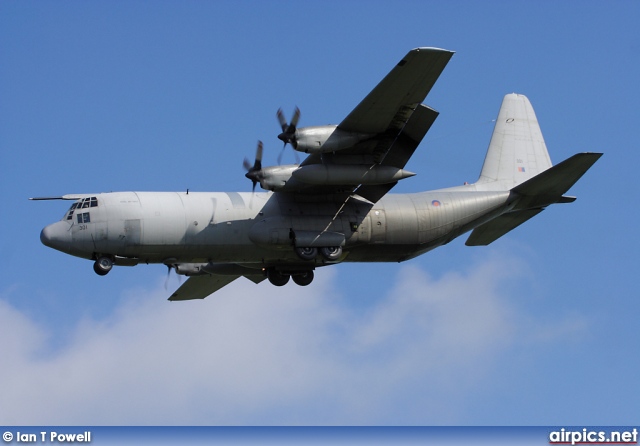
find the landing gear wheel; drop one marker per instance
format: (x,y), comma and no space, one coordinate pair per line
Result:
(277,278)
(331,253)
(102,266)
(303,279)
(307,253)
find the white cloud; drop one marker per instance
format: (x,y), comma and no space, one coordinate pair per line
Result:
(281,356)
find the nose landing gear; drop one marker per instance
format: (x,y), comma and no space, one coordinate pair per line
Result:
(103,265)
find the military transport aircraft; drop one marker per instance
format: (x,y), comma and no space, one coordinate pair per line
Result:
(333,207)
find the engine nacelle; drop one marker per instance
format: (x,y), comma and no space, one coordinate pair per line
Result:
(190,269)
(275,177)
(336,174)
(326,138)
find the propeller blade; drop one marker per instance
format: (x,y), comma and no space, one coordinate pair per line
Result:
(288,135)
(254,173)
(282,120)
(166,281)
(295,119)
(258,164)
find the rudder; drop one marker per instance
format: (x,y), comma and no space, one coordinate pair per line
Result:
(517,151)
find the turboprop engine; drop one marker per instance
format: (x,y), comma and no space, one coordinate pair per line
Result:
(275,178)
(316,139)
(326,138)
(290,177)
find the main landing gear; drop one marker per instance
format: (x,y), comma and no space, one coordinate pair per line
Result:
(280,278)
(330,253)
(304,277)
(103,265)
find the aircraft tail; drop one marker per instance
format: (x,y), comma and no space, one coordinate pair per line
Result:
(517,151)
(531,197)
(518,161)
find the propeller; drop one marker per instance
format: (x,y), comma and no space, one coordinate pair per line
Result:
(166,281)
(288,134)
(254,173)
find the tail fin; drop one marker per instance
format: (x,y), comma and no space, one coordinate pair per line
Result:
(517,151)
(518,161)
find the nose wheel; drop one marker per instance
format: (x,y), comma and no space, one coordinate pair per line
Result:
(102,266)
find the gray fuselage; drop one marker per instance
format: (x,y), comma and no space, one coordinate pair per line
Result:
(258,230)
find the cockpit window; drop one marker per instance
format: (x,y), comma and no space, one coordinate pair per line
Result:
(89,202)
(69,214)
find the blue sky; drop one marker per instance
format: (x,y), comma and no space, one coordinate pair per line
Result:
(541,327)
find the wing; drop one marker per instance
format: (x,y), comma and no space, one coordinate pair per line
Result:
(391,102)
(395,119)
(397,153)
(199,287)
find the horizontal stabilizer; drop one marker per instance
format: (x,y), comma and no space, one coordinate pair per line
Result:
(496,228)
(549,186)
(533,195)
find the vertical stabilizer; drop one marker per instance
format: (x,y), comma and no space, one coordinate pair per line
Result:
(517,151)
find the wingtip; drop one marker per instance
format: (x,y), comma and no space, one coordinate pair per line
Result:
(433,49)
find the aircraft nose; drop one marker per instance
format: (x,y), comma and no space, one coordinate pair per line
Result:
(56,236)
